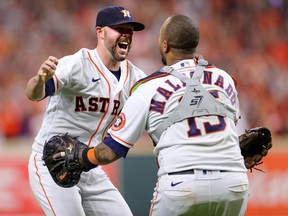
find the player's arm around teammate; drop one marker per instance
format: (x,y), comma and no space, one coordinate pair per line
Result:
(201,169)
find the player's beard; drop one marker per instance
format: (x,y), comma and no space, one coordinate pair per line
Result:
(114,53)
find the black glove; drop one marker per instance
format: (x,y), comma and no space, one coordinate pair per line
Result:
(254,145)
(62,154)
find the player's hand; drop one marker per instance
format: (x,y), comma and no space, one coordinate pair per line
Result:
(47,69)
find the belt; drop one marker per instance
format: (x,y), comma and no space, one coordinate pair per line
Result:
(187,172)
(182,172)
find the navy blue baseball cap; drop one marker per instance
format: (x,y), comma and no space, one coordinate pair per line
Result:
(117,15)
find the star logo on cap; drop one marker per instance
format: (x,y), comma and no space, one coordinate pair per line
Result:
(126,13)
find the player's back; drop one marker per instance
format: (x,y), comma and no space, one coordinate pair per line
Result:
(205,142)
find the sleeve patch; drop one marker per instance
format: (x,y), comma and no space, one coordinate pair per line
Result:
(120,122)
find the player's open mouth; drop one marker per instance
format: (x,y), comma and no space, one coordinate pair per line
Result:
(123,45)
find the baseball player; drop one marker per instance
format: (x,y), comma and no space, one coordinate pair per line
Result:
(85,92)
(190,111)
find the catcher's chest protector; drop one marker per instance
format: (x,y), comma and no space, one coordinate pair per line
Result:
(196,101)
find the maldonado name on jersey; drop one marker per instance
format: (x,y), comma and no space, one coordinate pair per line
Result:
(167,92)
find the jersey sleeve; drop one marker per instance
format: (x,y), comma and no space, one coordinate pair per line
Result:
(131,122)
(59,80)
(116,147)
(63,73)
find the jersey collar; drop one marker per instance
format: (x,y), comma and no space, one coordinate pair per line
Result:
(186,63)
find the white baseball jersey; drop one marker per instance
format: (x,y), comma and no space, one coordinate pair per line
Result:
(86,99)
(201,170)
(206,142)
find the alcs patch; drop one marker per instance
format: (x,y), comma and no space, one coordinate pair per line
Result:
(120,122)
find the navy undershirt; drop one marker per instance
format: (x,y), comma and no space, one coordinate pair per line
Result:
(117,74)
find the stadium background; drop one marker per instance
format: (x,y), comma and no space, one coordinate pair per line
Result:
(247,38)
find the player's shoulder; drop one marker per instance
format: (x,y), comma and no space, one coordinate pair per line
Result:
(133,69)
(130,65)
(150,78)
(215,69)
(80,54)
(71,64)
(219,71)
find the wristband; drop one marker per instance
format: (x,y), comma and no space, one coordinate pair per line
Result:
(88,165)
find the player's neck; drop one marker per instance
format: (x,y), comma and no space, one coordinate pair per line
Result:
(110,63)
(173,59)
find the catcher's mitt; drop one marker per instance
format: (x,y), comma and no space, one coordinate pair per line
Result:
(254,145)
(61,156)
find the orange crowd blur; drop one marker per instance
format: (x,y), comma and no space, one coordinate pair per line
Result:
(246,38)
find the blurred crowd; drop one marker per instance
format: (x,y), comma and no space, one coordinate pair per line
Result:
(246,38)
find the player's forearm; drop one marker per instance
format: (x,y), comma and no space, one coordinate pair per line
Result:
(35,89)
(104,154)
(99,155)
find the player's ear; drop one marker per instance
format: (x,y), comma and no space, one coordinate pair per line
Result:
(99,31)
(165,46)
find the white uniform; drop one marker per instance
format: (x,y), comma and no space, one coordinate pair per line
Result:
(213,179)
(87,98)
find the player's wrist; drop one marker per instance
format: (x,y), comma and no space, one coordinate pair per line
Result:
(39,80)
(89,160)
